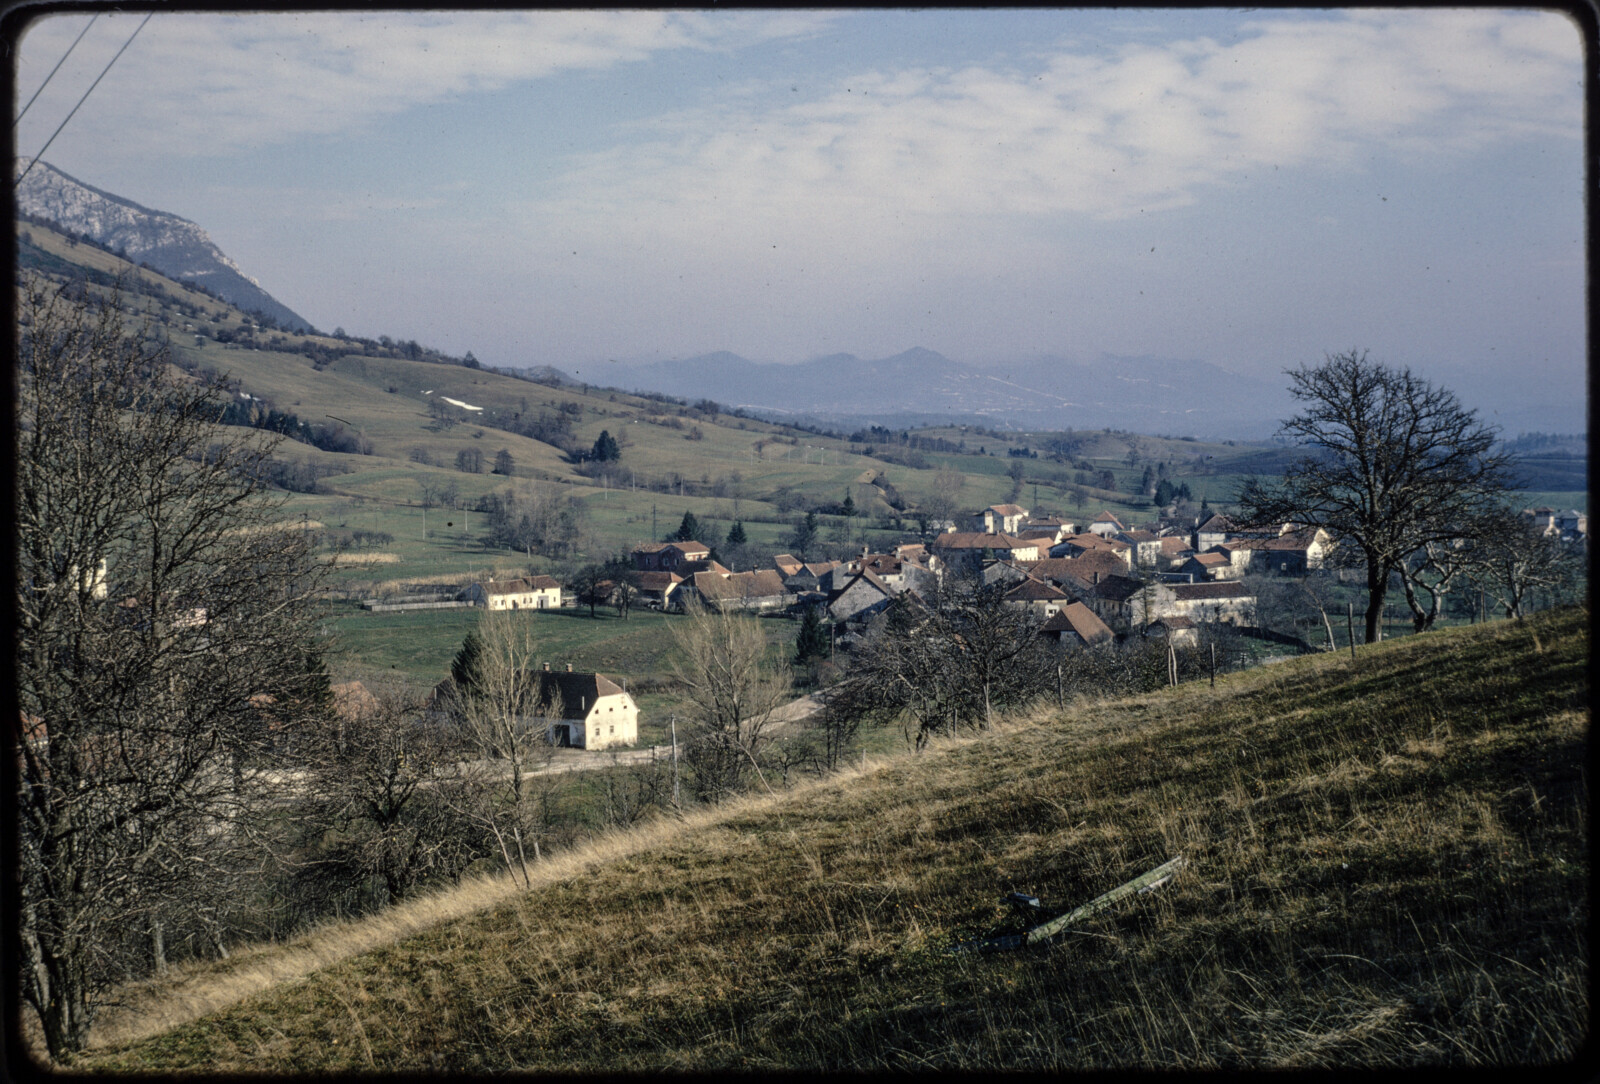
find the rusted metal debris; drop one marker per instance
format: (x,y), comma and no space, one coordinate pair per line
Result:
(1046,931)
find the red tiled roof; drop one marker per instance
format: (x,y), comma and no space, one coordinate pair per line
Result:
(974,540)
(761,583)
(1078,618)
(1032,590)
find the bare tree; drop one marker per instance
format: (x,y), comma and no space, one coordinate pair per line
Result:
(1513,559)
(507,791)
(166,639)
(733,683)
(1392,463)
(381,784)
(945,663)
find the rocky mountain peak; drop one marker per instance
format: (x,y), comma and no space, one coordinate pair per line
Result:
(172,245)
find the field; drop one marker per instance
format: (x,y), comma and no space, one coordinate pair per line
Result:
(416,648)
(1388,865)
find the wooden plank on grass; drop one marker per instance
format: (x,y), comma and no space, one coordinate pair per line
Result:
(1144,883)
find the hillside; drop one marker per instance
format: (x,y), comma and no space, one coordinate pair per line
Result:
(1388,865)
(172,245)
(387,409)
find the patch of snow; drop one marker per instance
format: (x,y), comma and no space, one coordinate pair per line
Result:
(459,403)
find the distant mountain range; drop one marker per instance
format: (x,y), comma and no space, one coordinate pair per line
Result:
(1150,395)
(174,246)
(1159,396)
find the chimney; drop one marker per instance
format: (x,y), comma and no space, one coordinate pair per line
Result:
(547,668)
(1097,577)
(569,668)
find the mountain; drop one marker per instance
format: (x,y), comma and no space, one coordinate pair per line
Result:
(1146,394)
(174,246)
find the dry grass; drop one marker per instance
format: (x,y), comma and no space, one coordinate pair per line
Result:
(387,587)
(1388,866)
(341,560)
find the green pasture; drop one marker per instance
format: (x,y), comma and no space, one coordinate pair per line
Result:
(417,646)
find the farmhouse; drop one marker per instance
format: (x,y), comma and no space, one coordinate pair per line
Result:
(667,556)
(972,549)
(1216,565)
(1085,543)
(656,588)
(532,593)
(1145,546)
(1221,603)
(1106,525)
(762,589)
(998,519)
(864,595)
(1077,625)
(1212,533)
(580,710)
(1042,598)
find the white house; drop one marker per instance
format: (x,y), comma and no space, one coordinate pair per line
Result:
(581,710)
(533,593)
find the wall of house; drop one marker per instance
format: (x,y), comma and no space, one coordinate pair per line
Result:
(613,721)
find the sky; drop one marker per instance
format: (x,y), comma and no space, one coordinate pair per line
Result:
(1252,188)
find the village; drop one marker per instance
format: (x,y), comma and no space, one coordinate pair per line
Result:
(1088,584)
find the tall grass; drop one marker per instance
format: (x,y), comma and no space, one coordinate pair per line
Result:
(1388,865)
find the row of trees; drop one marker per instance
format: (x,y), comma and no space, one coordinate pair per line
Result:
(166,640)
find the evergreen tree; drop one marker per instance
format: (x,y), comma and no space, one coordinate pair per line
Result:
(688,529)
(804,536)
(464,669)
(849,506)
(736,535)
(812,641)
(605,448)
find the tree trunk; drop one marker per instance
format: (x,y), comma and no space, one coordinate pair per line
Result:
(1377,589)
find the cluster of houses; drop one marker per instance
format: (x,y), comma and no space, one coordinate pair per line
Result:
(1087,581)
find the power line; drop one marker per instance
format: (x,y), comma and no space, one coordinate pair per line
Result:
(55,69)
(81,100)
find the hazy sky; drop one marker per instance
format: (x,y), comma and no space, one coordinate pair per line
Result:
(1252,188)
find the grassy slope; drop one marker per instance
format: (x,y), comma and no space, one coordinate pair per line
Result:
(1389,865)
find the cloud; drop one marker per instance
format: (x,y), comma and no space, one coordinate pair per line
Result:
(209,83)
(887,152)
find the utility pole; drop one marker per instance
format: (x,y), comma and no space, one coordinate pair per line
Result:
(675,796)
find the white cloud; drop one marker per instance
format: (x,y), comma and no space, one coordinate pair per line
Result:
(886,152)
(208,83)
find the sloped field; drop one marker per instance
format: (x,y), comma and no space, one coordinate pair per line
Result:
(1388,865)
